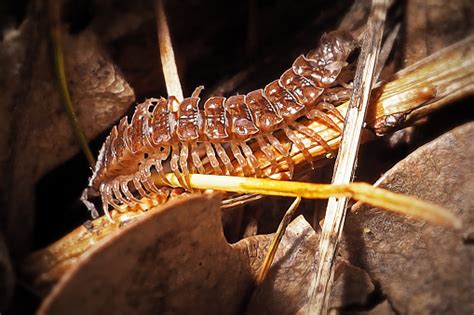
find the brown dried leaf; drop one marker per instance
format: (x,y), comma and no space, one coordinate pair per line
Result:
(7,279)
(285,289)
(38,135)
(422,268)
(173,260)
(432,25)
(383,308)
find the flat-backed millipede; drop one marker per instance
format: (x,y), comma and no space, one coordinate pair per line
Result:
(222,128)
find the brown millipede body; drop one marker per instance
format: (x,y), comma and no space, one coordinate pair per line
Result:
(222,128)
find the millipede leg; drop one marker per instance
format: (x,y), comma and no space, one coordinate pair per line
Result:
(299,144)
(239,157)
(267,150)
(312,134)
(106,196)
(105,206)
(160,171)
(279,147)
(316,113)
(127,193)
(331,109)
(174,164)
(139,187)
(145,175)
(149,186)
(224,158)
(110,198)
(197,162)
(251,158)
(345,85)
(183,162)
(337,95)
(212,158)
(118,193)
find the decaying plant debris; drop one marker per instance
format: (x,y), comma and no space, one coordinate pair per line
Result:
(126,281)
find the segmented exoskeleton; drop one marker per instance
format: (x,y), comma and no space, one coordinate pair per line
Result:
(223,128)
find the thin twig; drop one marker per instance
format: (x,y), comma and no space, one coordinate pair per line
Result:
(321,283)
(55,29)
(267,261)
(170,71)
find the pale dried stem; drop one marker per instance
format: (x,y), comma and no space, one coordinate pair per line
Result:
(170,71)
(359,191)
(321,283)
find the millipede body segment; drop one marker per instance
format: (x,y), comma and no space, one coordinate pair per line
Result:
(221,127)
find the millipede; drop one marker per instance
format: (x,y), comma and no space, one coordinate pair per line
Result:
(221,128)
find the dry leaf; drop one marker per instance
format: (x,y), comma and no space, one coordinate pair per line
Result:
(422,268)
(176,259)
(432,25)
(285,289)
(383,308)
(7,278)
(38,134)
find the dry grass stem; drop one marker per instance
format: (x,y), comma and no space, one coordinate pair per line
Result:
(321,283)
(270,255)
(366,193)
(170,71)
(433,82)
